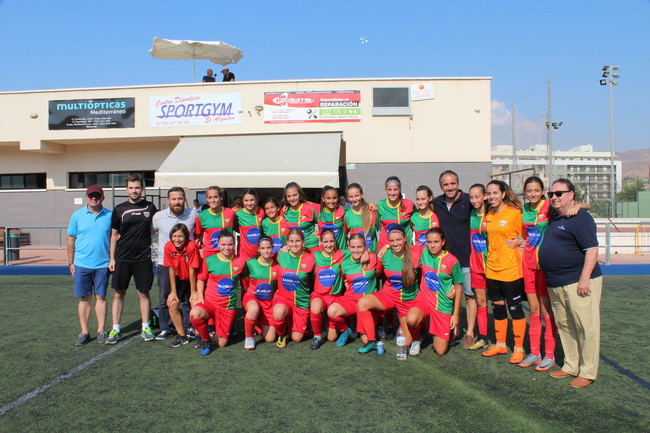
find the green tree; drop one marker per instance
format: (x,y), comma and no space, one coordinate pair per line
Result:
(630,190)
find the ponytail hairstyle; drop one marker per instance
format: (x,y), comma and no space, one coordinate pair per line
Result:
(331,232)
(360,237)
(408,274)
(298,231)
(443,238)
(253,192)
(263,238)
(429,194)
(395,179)
(537,180)
(325,189)
(510,197)
(301,193)
(366,215)
(480,186)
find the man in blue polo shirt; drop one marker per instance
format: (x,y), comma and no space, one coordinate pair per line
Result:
(569,258)
(453,210)
(89,235)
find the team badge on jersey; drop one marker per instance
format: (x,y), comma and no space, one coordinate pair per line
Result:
(235,268)
(503,223)
(227,220)
(303,265)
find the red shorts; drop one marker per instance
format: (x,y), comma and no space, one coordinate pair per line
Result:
(327,299)
(478,280)
(439,324)
(387,298)
(299,316)
(223,318)
(265,318)
(535,282)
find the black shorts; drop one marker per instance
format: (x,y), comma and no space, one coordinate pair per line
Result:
(182,290)
(142,273)
(505,290)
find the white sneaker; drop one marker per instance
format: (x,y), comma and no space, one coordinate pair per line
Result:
(249,343)
(415,348)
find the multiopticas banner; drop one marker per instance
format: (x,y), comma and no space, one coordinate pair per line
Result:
(195,110)
(92,113)
(307,107)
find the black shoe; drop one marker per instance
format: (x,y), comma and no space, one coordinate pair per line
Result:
(82,339)
(316,342)
(180,341)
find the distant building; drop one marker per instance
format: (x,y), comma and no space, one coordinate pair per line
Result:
(588,170)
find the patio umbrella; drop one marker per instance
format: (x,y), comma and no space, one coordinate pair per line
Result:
(216,51)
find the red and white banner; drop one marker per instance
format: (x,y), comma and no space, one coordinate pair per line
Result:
(317,106)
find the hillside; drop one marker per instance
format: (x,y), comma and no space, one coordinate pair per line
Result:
(635,163)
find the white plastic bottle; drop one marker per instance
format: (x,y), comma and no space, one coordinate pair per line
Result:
(401,345)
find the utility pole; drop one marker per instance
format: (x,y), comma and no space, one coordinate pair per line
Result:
(609,74)
(514,138)
(549,138)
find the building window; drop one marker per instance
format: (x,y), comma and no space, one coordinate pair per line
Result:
(391,101)
(23,181)
(106,179)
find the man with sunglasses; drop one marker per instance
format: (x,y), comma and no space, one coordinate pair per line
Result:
(89,234)
(569,258)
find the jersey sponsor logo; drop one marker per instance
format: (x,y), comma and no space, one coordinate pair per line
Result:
(360,284)
(534,235)
(422,239)
(327,277)
(263,291)
(290,282)
(333,228)
(277,244)
(432,281)
(253,235)
(214,239)
(396,281)
(368,241)
(479,243)
(225,287)
(503,223)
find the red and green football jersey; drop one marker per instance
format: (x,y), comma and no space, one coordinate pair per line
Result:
(420,226)
(535,222)
(306,217)
(294,278)
(354,224)
(478,240)
(222,280)
(388,215)
(391,267)
(328,220)
(277,231)
(327,272)
(262,279)
(358,281)
(250,229)
(209,226)
(438,275)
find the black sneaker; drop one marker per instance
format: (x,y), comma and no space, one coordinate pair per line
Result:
(316,342)
(163,335)
(82,339)
(102,337)
(191,333)
(180,341)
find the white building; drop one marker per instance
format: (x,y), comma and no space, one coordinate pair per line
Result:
(587,169)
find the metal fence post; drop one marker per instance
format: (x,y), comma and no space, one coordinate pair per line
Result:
(5,251)
(608,243)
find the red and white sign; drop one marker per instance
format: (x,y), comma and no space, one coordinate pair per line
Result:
(307,107)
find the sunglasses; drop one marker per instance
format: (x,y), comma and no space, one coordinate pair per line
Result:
(95,196)
(557,194)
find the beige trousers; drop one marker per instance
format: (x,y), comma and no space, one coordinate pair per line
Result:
(578,323)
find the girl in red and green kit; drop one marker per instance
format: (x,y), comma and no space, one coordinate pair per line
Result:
(275,225)
(258,299)
(393,210)
(328,286)
(295,268)
(360,218)
(425,218)
(211,221)
(399,265)
(331,216)
(248,223)
(300,213)
(477,262)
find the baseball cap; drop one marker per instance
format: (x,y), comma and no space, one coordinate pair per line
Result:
(95,188)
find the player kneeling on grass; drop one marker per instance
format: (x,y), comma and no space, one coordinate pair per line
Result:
(217,287)
(258,299)
(440,287)
(182,258)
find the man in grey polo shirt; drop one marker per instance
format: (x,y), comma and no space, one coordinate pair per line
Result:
(163,221)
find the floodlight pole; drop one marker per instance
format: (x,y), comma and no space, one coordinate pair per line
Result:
(612,180)
(549,137)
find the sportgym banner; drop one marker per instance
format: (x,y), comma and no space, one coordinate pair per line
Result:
(92,113)
(195,110)
(309,107)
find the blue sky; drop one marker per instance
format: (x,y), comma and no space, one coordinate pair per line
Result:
(67,44)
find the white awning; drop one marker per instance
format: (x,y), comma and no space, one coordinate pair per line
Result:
(257,161)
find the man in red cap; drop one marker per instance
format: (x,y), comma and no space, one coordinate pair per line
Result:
(89,234)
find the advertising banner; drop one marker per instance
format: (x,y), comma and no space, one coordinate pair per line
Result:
(92,113)
(195,110)
(313,106)
(421,92)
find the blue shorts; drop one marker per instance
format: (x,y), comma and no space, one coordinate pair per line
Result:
(467,284)
(87,281)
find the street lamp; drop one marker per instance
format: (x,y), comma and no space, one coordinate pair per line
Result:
(608,75)
(550,126)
